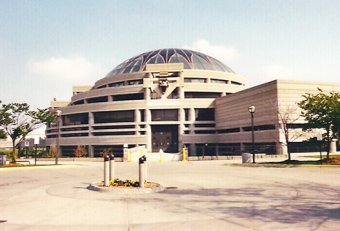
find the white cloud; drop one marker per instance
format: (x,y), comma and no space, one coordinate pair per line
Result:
(72,68)
(276,71)
(220,52)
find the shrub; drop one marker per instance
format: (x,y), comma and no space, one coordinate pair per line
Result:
(80,151)
(106,151)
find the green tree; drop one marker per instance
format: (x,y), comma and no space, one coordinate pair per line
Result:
(17,121)
(322,110)
(3,134)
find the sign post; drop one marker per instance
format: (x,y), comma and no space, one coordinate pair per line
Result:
(36,142)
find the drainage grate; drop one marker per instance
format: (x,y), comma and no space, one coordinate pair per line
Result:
(170,187)
(2,221)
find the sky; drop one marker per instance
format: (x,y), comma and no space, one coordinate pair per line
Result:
(46,47)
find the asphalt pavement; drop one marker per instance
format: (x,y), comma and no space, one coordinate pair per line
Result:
(198,195)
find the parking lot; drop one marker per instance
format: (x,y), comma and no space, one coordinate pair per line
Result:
(199,195)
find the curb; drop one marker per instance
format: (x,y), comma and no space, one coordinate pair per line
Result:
(126,190)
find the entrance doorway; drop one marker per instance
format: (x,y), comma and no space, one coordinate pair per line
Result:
(165,137)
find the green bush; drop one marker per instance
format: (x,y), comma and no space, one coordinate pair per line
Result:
(6,152)
(126,183)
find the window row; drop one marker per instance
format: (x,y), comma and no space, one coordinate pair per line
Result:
(201,114)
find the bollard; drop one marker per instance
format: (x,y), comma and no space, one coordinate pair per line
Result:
(142,171)
(130,156)
(106,170)
(112,167)
(185,154)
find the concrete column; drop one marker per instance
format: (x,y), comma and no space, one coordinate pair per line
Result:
(137,121)
(332,147)
(91,151)
(147,93)
(148,130)
(91,122)
(110,98)
(181,120)
(181,86)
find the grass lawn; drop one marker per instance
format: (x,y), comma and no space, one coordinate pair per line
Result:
(323,156)
(295,163)
(18,165)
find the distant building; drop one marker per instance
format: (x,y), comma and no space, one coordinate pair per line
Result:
(170,98)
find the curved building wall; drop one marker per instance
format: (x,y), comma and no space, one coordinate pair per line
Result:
(164,107)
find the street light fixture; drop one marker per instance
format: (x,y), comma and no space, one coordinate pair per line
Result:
(251,109)
(58,114)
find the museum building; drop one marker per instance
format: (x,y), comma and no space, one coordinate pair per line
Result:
(170,98)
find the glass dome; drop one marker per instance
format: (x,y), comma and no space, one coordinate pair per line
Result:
(190,59)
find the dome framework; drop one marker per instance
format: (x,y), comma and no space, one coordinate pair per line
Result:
(190,59)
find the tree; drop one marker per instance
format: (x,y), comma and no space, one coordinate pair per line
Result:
(2,134)
(287,116)
(322,110)
(17,121)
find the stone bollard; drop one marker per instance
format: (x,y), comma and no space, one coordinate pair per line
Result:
(184,154)
(106,170)
(142,171)
(112,167)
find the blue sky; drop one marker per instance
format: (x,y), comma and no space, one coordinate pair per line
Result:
(46,47)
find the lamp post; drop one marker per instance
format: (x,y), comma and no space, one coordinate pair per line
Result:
(36,142)
(251,109)
(58,114)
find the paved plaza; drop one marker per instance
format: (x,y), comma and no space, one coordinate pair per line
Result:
(199,195)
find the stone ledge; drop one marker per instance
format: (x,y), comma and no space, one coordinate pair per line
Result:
(125,190)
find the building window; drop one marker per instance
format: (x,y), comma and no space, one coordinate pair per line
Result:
(205,114)
(219,81)
(195,80)
(135,82)
(78,102)
(76,119)
(142,115)
(186,111)
(190,95)
(164,115)
(236,83)
(260,128)
(229,130)
(97,99)
(137,96)
(114,116)
(117,84)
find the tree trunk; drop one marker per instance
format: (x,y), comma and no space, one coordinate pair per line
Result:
(288,151)
(328,147)
(14,158)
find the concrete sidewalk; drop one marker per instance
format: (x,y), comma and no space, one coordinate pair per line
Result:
(200,195)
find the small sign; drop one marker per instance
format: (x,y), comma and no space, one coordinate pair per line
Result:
(27,143)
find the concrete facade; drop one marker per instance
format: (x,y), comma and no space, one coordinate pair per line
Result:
(163,106)
(202,105)
(274,101)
